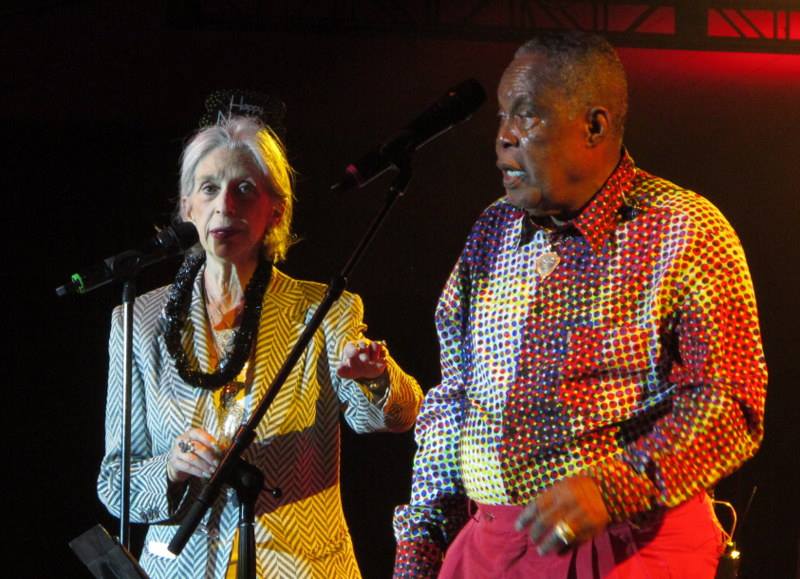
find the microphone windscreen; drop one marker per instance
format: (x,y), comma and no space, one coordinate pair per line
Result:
(177,238)
(470,95)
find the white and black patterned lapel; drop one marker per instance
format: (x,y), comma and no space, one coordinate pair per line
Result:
(282,322)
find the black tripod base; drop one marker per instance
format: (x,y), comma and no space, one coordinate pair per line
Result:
(104,556)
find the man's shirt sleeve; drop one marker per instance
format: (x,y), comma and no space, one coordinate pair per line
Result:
(719,375)
(437,509)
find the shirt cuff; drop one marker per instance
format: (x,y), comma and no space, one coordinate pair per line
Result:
(377,389)
(625,491)
(417,560)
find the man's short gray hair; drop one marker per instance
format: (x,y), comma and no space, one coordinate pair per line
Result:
(586,67)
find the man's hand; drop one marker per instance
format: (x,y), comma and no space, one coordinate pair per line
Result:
(569,512)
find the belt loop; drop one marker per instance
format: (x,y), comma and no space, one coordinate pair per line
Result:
(472,509)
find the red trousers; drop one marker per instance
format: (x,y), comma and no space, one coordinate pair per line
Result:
(684,542)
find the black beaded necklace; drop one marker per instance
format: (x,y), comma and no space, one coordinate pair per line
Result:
(177,310)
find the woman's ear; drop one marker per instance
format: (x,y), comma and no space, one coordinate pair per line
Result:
(185,208)
(277,214)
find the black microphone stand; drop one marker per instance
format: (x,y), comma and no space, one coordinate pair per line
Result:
(230,467)
(125,267)
(128,299)
(95,547)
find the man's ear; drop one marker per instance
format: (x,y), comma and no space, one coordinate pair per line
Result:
(598,126)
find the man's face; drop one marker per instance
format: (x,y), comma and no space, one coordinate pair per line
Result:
(541,142)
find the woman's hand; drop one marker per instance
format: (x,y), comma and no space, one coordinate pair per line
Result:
(193,453)
(362,360)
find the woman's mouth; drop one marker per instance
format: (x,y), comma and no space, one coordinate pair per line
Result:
(223,233)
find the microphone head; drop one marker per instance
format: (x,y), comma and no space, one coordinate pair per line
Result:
(467,97)
(455,106)
(177,238)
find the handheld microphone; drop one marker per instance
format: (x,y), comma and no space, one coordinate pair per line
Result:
(166,243)
(455,106)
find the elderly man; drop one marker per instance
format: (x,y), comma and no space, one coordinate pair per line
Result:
(601,357)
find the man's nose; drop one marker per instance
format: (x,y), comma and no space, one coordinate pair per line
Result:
(506,137)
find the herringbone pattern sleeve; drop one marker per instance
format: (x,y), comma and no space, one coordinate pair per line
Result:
(149,483)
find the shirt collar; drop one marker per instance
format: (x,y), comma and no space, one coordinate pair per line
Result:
(600,216)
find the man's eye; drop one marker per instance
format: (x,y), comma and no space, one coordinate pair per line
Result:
(208,188)
(523,119)
(527,119)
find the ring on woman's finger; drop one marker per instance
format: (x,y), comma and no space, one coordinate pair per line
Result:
(186,446)
(564,532)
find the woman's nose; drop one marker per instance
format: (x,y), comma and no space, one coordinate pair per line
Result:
(226,202)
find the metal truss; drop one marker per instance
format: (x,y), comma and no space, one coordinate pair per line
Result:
(741,25)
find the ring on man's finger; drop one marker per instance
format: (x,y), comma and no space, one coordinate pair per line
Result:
(185,446)
(564,532)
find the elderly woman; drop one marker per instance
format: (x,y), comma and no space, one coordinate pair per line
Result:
(206,350)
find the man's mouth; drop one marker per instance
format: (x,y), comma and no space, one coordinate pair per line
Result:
(512,177)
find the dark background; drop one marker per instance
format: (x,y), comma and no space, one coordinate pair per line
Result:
(95,103)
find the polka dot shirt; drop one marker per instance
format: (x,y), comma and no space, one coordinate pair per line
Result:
(623,345)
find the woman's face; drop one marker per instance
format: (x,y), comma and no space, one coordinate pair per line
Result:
(230,205)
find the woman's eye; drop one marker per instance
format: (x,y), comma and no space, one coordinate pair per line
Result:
(208,188)
(246,187)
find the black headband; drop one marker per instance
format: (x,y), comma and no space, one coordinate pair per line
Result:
(223,104)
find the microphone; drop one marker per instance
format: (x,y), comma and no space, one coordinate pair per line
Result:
(169,241)
(455,106)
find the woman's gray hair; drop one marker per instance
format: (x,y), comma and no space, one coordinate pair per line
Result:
(268,152)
